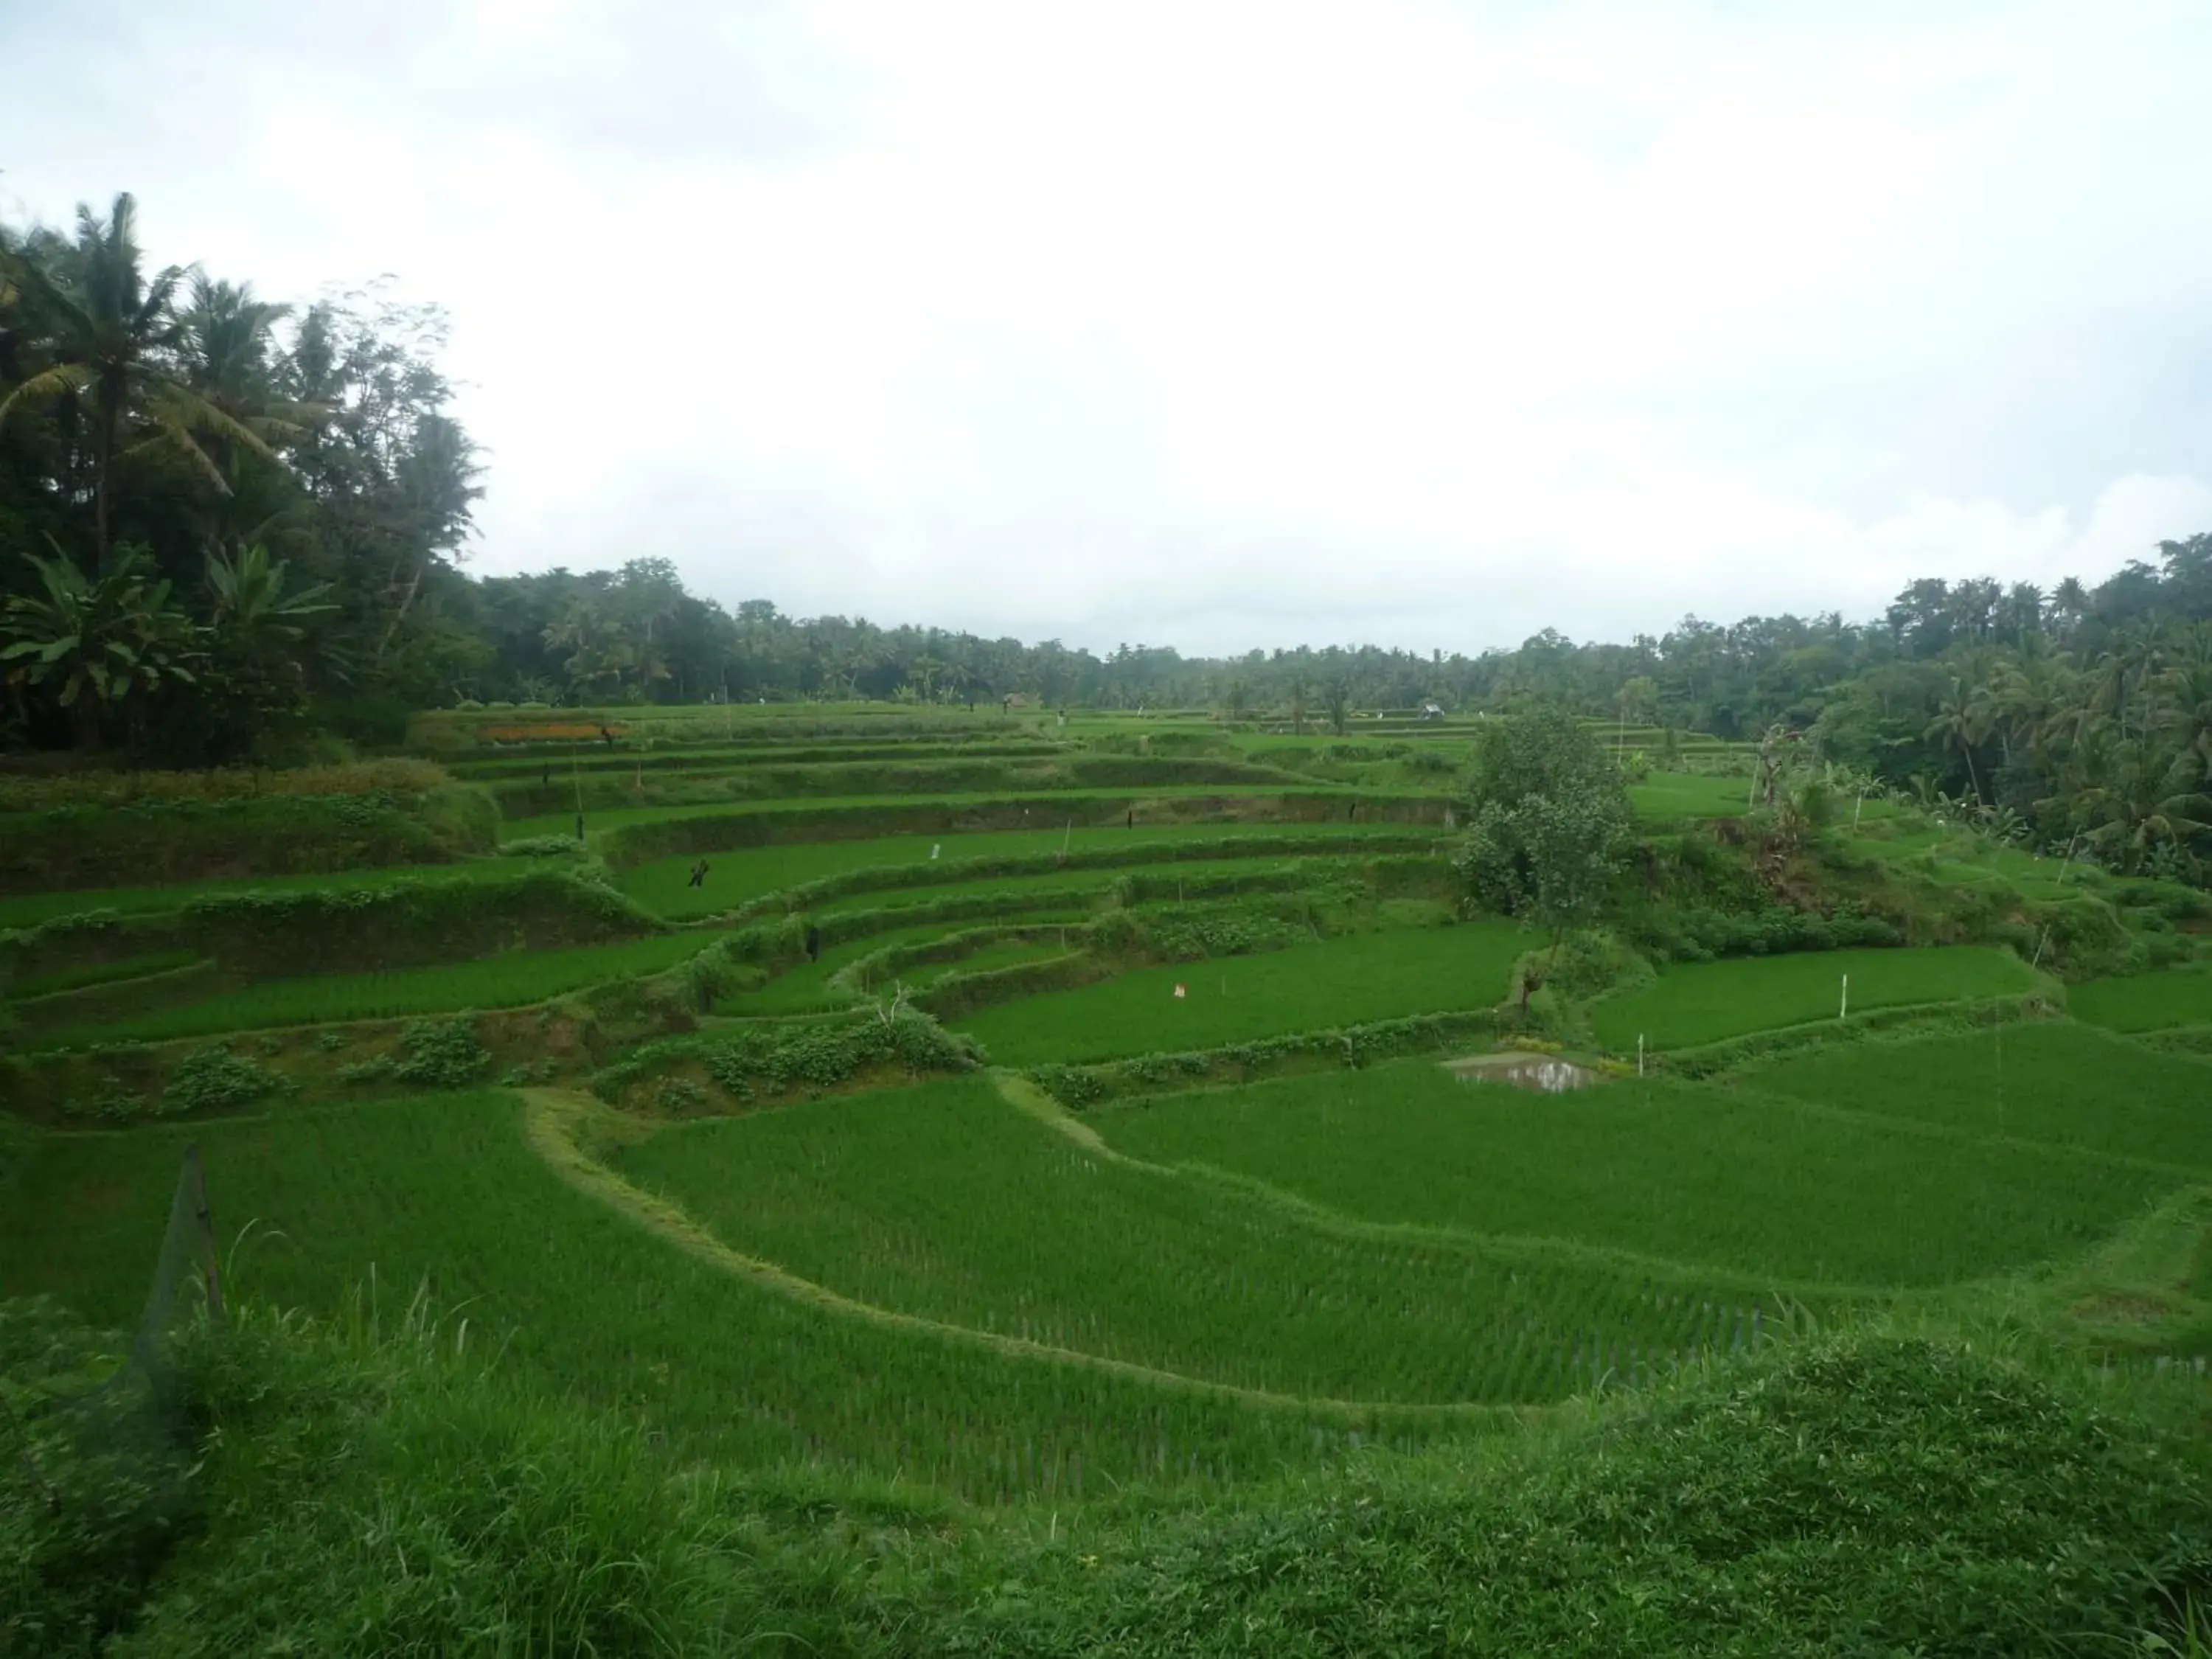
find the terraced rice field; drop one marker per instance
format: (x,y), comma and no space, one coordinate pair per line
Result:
(598,819)
(510,981)
(445,1195)
(1697,1003)
(29,909)
(947,1202)
(2145,1002)
(2034,1083)
(1655,1169)
(952,1287)
(662,885)
(805,988)
(1340,981)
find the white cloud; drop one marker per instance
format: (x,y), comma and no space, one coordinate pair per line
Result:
(1228,324)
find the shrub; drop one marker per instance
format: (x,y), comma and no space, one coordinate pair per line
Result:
(539,847)
(215,1079)
(90,1499)
(441,1054)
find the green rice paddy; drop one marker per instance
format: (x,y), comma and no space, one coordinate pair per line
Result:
(662,885)
(2033,1083)
(510,981)
(2145,1002)
(1697,1003)
(1655,1168)
(1340,981)
(29,909)
(443,1194)
(805,989)
(947,1202)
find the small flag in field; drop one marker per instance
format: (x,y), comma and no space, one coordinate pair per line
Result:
(1181,991)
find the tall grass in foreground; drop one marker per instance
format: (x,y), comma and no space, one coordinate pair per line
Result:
(394,1493)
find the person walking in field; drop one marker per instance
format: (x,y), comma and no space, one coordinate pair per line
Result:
(699,874)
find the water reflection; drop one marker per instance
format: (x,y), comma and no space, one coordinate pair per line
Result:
(1545,1074)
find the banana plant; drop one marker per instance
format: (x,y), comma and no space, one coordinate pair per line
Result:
(100,644)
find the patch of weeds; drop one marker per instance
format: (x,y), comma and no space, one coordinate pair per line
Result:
(680,1095)
(215,1079)
(329,1042)
(441,1054)
(112,1103)
(528,1072)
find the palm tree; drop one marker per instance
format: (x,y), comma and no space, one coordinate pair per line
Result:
(2129,800)
(2186,693)
(1957,726)
(923,671)
(223,349)
(105,641)
(2070,602)
(111,332)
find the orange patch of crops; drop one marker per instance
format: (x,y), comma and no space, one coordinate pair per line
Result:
(549,733)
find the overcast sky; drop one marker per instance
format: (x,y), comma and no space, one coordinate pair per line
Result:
(1224,325)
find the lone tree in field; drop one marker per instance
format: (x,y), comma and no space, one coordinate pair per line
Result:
(1547,818)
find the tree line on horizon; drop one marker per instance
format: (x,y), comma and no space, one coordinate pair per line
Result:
(229,526)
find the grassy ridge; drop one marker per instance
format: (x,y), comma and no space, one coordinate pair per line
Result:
(1707,1002)
(1661,1168)
(1340,981)
(509,981)
(945,1201)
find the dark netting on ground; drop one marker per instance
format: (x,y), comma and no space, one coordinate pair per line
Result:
(96,1450)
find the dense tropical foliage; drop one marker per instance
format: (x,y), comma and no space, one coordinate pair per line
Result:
(229,526)
(224,525)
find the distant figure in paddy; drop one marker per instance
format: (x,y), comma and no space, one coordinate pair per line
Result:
(699,874)
(607,737)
